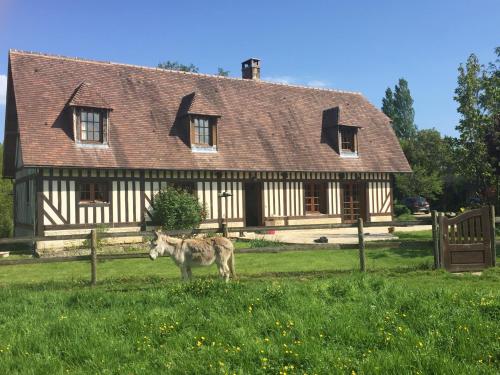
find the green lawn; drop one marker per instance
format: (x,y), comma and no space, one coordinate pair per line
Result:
(295,312)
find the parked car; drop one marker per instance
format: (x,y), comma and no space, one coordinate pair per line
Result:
(417,204)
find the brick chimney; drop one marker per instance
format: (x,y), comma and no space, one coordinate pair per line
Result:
(250,69)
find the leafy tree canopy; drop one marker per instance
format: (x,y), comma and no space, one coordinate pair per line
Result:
(398,106)
(475,97)
(175,65)
(223,73)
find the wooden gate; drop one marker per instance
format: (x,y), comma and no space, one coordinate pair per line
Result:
(466,241)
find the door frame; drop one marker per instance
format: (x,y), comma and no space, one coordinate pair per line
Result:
(362,196)
(260,210)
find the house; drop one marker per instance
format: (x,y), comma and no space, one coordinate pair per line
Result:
(90,143)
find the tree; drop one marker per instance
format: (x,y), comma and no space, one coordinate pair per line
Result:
(176,209)
(473,125)
(490,100)
(6,202)
(430,157)
(398,106)
(174,65)
(223,73)
(388,103)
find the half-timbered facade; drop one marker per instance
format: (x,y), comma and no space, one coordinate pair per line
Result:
(91,143)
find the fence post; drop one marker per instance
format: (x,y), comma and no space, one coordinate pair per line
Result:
(361,238)
(492,234)
(93,256)
(435,238)
(440,239)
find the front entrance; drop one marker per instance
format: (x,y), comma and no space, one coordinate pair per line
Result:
(353,204)
(253,204)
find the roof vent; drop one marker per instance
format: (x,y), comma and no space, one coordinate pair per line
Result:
(250,69)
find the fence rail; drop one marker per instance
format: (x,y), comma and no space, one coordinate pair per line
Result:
(86,236)
(92,236)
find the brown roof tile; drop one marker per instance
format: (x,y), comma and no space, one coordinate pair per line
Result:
(263,126)
(88,96)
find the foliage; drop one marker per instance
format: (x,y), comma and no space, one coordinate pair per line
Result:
(419,183)
(398,106)
(262,242)
(376,323)
(223,73)
(174,65)
(473,125)
(176,209)
(401,209)
(6,203)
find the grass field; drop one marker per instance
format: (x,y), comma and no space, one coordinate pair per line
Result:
(296,312)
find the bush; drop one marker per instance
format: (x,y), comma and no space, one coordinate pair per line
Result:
(176,209)
(401,209)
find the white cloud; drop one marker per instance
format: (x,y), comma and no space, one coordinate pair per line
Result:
(280,79)
(317,83)
(3,89)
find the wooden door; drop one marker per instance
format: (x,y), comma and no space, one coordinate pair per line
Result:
(253,204)
(353,203)
(466,241)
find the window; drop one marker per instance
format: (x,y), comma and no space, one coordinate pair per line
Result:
(202,131)
(315,197)
(94,192)
(92,125)
(347,139)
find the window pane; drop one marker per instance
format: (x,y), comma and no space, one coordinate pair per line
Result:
(84,116)
(96,116)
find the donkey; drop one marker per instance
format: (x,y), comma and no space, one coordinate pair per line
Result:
(195,252)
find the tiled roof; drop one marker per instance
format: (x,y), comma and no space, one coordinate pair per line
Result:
(88,96)
(263,126)
(200,105)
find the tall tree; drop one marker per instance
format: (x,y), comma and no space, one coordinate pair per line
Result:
(473,126)
(490,100)
(222,72)
(398,106)
(388,103)
(175,65)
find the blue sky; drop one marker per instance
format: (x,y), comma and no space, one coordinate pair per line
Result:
(351,45)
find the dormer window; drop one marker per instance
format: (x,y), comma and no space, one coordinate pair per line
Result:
(91,125)
(341,130)
(90,116)
(203,133)
(199,116)
(348,140)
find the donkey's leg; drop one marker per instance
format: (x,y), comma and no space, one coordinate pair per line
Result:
(184,273)
(225,268)
(220,266)
(189,273)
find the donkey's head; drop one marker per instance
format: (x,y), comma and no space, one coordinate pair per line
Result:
(161,244)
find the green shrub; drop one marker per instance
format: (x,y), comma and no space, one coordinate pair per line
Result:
(175,209)
(401,209)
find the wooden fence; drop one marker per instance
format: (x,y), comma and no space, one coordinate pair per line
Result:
(93,237)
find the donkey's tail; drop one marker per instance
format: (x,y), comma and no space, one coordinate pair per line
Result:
(231,265)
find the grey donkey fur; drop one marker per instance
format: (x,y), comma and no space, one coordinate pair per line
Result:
(187,253)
